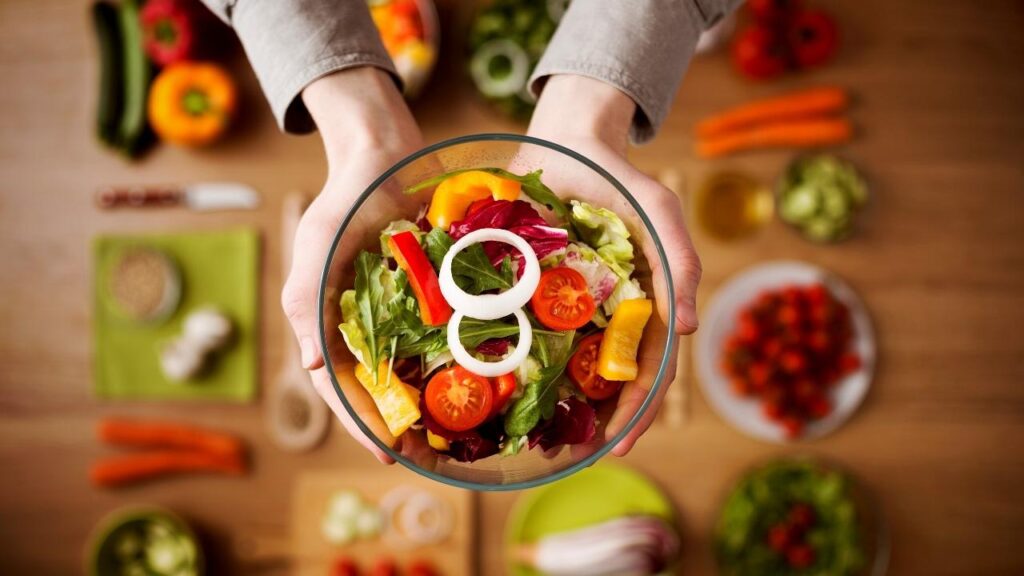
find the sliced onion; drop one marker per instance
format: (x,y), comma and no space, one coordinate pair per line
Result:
(490,369)
(490,306)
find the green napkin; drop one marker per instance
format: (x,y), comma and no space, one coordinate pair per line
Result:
(218,269)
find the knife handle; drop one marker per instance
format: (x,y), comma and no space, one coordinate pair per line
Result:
(139,197)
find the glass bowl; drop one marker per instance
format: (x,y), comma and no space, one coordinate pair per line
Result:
(571,176)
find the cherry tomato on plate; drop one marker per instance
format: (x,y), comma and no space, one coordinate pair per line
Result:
(458,399)
(583,370)
(384,567)
(562,301)
(344,566)
(504,387)
(421,568)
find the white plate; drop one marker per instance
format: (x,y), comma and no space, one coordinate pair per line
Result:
(720,320)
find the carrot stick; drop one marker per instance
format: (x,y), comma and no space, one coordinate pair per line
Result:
(167,435)
(790,134)
(121,470)
(816,101)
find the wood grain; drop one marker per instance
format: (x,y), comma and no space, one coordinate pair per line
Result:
(939,262)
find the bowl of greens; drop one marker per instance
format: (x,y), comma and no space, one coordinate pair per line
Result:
(144,542)
(822,197)
(800,516)
(488,312)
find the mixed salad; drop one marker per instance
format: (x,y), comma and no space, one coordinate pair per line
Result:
(497,319)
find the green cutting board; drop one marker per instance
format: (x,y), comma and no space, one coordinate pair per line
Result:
(597,494)
(218,269)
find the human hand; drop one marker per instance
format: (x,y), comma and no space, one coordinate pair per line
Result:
(593,118)
(366,128)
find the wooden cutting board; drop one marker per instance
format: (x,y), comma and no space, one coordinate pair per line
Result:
(313,555)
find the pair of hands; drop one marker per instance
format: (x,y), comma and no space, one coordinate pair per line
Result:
(367,128)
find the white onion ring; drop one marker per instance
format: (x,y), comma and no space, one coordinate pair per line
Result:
(490,369)
(490,306)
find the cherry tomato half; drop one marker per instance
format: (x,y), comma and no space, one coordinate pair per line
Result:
(504,387)
(458,399)
(562,301)
(583,370)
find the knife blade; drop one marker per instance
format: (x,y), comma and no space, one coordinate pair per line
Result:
(202,196)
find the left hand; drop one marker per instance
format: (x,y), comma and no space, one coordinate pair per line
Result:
(593,119)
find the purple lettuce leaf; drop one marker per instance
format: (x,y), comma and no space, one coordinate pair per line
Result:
(574,422)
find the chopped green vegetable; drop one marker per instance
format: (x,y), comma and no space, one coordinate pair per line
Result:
(820,196)
(624,290)
(606,233)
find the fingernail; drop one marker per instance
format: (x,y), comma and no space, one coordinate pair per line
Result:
(308,349)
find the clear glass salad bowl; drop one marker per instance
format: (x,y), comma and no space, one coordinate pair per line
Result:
(570,176)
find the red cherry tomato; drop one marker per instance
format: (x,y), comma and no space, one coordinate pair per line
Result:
(504,387)
(801,515)
(813,38)
(772,11)
(421,568)
(384,567)
(779,537)
(800,556)
(562,301)
(583,370)
(458,399)
(759,53)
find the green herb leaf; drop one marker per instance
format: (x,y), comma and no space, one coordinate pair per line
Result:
(537,402)
(370,303)
(471,268)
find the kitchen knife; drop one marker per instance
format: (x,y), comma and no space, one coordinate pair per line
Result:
(203,196)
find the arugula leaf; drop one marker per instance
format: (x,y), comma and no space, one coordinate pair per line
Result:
(370,303)
(471,268)
(531,185)
(537,402)
(475,332)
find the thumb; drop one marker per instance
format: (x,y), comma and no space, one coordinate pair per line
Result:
(298,300)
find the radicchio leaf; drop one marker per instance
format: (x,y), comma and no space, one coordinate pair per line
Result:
(517,217)
(574,422)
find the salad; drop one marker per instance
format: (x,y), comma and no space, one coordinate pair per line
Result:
(498,318)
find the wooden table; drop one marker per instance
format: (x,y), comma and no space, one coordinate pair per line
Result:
(940,263)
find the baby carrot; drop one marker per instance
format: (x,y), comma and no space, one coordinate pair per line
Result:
(167,435)
(121,470)
(812,102)
(792,134)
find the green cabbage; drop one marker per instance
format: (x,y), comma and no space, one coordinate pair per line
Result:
(605,232)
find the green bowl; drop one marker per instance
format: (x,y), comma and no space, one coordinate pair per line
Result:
(120,539)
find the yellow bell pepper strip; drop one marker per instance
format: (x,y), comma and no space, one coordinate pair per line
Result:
(453,196)
(191,103)
(616,360)
(405,247)
(397,402)
(439,443)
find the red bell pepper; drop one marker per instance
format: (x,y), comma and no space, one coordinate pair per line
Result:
(169,31)
(434,309)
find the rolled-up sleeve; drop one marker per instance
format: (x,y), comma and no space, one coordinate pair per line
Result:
(290,43)
(642,47)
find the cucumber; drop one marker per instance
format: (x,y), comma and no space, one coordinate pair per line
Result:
(132,134)
(109,100)
(500,68)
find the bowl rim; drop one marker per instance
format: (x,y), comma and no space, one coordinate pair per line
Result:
(575,467)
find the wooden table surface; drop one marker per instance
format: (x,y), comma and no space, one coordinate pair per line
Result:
(940,264)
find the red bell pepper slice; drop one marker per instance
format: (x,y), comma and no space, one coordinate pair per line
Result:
(434,309)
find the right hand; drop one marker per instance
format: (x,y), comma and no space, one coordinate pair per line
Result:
(366,128)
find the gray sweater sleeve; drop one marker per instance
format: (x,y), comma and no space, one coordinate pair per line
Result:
(290,43)
(642,47)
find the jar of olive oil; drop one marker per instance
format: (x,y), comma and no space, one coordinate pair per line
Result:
(732,205)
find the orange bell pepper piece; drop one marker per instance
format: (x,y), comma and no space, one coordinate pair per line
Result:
(191,103)
(453,196)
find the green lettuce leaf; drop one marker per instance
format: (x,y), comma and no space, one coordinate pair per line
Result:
(624,290)
(606,233)
(351,331)
(394,228)
(537,402)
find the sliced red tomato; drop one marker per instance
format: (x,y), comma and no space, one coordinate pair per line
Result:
(504,387)
(458,399)
(434,309)
(583,370)
(562,301)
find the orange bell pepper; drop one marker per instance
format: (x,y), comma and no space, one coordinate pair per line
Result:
(453,196)
(434,309)
(191,103)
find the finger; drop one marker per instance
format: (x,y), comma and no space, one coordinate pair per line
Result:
(324,387)
(630,400)
(665,212)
